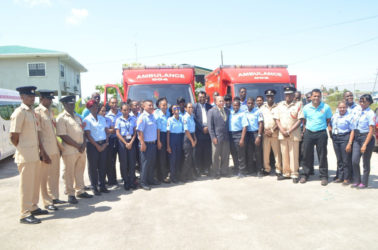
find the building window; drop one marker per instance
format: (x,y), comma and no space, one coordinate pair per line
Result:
(37,69)
(62,71)
(78,79)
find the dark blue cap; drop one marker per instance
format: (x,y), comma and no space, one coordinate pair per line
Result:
(270,92)
(45,93)
(27,90)
(289,90)
(68,99)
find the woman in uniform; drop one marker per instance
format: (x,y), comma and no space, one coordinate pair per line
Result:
(175,133)
(364,141)
(342,134)
(189,143)
(96,132)
(161,116)
(125,127)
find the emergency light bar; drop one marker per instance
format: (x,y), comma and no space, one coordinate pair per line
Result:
(252,66)
(186,66)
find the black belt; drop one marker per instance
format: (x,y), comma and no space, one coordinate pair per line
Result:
(150,142)
(342,134)
(359,133)
(101,142)
(124,137)
(235,132)
(253,131)
(320,131)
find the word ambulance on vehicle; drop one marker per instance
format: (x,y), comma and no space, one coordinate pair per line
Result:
(255,78)
(141,83)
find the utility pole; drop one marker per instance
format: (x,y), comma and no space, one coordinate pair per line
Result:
(375,82)
(221,57)
(136,52)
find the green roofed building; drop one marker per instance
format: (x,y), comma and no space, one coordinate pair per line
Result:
(46,69)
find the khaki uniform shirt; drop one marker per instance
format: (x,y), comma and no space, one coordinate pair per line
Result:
(267,113)
(288,115)
(46,122)
(71,126)
(24,122)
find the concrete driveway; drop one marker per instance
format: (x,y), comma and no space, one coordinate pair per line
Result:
(229,213)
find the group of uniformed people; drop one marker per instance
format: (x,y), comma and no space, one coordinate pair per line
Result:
(183,142)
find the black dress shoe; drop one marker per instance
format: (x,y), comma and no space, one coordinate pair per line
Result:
(85,195)
(265,173)
(57,201)
(95,191)
(145,187)
(126,187)
(295,180)
(324,182)
(30,220)
(281,178)
(104,190)
(51,207)
(303,179)
(72,199)
(39,211)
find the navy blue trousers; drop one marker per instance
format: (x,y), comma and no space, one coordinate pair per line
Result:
(162,156)
(112,150)
(175,159)
(344,159)
(148,161)
(96,165)
(237,152)
(127,159)
(359,140)
(188,168)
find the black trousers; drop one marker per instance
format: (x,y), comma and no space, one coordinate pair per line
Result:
(188,168)
(344,159)
(319,139)
(254,154)
(237,152)
(112,150)
(96,165)
(202,154)
(127,159)
(148,163)
(162,158)
(359,140)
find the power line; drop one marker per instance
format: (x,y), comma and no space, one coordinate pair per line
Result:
(336,51)
(240,42)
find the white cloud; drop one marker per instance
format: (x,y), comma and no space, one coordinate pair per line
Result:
(33,3)
(77,16)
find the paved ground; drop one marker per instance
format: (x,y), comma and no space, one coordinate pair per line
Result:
(229,213)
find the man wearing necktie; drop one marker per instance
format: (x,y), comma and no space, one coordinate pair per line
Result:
(217,120)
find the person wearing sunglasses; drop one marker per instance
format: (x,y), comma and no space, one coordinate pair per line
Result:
(364,141)
(175,135)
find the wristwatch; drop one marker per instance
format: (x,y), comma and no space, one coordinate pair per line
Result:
(259,135)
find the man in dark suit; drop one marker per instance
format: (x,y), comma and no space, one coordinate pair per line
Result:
(202,151)
(217,120)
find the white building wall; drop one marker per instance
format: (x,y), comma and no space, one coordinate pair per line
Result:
(69,83)
(14,73)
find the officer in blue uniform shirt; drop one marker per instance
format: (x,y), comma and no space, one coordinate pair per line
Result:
(364,141)
(175,135)
(181,103)
(147,134)
(125,127)
(253,137)
(243,99)
(112,116)
(341,131)
(238,128)
(189,143)
(96,132)
(317,116)
(161,116)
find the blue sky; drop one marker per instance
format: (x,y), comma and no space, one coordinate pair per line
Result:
(323,42)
